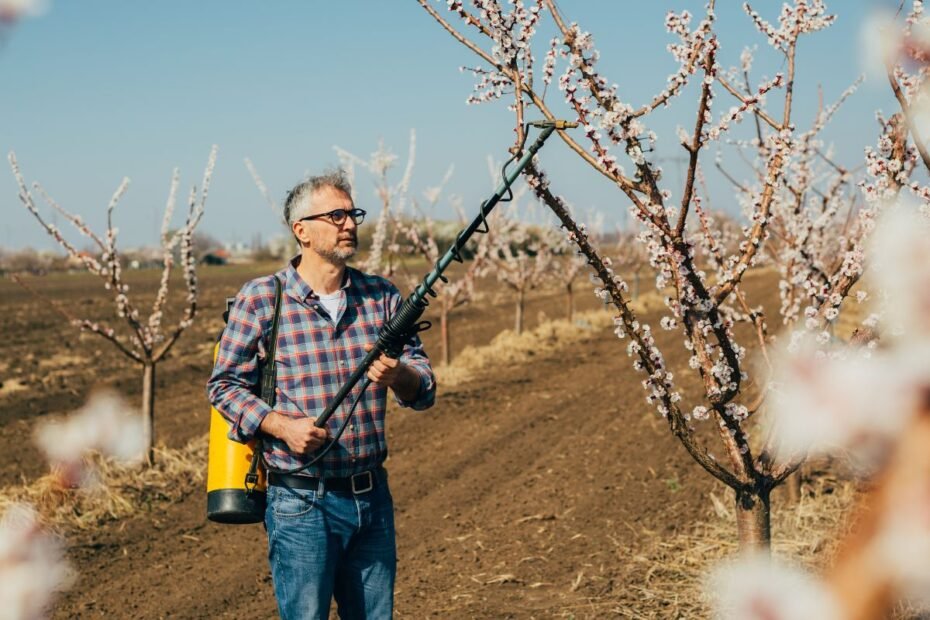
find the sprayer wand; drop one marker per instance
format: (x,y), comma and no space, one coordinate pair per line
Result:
(405,324)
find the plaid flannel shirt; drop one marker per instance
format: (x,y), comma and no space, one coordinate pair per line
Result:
(314,359)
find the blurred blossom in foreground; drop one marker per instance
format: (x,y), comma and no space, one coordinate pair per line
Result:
(874,404)
(757,588)
(105,425)
(855,399)
(841,400)
(32,565)
(12,10)
(903,501)
(900,266)
(880,40)
(904,546)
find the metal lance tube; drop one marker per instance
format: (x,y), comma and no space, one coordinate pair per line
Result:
(405,323)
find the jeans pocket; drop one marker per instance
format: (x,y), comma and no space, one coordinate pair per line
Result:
(290,503)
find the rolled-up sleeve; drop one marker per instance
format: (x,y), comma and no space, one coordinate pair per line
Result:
(414,357)
(236,370)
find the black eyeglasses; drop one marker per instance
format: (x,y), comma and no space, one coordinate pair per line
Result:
(338,216)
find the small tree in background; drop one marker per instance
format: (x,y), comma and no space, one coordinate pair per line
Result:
(522,256)
(392,198)
(423,238)
(571,264)
(146,341)
(631,260)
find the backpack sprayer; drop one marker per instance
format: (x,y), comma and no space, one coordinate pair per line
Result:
(236,473)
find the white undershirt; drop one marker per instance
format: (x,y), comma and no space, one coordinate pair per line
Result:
(335,304)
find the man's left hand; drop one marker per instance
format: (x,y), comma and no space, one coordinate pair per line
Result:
(389,372)
(385,371)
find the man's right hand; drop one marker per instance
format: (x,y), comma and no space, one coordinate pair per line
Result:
(300,435)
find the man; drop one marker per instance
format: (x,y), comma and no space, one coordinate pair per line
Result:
(330,527)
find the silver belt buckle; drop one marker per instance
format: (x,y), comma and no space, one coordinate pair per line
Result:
(371,483)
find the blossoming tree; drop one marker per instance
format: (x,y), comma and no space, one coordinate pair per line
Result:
(145,341)
(571,264)
(705,299)
(392,197)
(872,406)
(420,237)
(523,257)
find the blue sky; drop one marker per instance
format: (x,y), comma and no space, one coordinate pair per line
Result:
(101,89)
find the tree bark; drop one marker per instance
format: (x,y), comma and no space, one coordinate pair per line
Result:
(444,335)
(148,410)
(752,519)
(518,325)
(571,302)
(793,487)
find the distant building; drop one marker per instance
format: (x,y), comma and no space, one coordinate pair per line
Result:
(219,256)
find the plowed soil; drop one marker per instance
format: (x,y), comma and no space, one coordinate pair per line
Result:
(519,495)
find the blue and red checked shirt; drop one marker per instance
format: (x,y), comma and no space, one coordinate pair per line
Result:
(314,359)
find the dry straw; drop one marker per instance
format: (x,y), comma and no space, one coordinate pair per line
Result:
(509,348)
(120,490)
(668,574)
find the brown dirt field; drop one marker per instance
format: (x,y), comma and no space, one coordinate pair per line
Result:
(519,495)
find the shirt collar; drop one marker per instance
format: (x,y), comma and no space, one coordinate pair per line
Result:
(297,287)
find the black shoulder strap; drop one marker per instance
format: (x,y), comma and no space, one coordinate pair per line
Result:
(269,369)
(269,378)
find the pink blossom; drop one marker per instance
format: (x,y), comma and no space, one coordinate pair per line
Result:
(105,425)
(32,565)
(12,10)
(840,400)
(757,588)
(900,260)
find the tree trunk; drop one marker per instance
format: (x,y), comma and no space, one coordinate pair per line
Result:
(444,335)
(752,519)
(793,487)
(571,302)
(636,283)
(518,325)
(148,410)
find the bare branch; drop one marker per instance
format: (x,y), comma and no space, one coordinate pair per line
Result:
(260,184)
(906,109)
(101,329)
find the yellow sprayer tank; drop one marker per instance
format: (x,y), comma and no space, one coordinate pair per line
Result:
(228,501)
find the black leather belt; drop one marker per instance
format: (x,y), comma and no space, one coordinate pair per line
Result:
(356,484)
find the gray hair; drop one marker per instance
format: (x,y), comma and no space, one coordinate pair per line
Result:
(294,208)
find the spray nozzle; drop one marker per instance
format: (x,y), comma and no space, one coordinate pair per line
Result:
(557,124)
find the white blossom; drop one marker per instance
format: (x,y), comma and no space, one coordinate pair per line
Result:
(32,565)
(755,587)
(105,425)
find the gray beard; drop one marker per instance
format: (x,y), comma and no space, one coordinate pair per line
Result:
(337,256)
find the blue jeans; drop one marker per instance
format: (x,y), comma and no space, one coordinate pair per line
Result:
(340,545)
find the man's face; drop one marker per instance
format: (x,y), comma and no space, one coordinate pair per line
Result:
(335,243)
